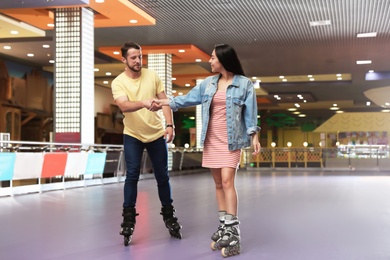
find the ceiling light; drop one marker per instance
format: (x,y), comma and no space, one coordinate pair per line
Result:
(312,79)
(385,110)
(338,75)
(180,93)
(335,105)
(187,85)
(99,1)
(334,108)
(105,82)
(14,32)
(108,73)
(50,25)
(30,54)
(51,61)
(46,46)
(296,113)
(320,23)
(339,111)
(95,69)
(198,60)
(292,109)
(363,62)
(309,76)
(254,77)
(284,80)
(116,53)
(371,71)
(297,105)
(339,78)
(174,91)
(133,21)
(182,50)
(7,47)
(281,77)
(302,115)
(364,35)
(173,78)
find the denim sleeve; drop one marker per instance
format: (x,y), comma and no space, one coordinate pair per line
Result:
(193,98)
(250,113)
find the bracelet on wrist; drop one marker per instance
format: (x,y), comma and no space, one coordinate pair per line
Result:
(170,126)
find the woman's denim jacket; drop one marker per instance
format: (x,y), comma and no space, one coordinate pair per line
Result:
(241,108)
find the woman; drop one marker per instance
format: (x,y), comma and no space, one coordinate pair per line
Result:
(228,99)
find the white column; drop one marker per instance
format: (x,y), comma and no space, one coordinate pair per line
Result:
(74,76)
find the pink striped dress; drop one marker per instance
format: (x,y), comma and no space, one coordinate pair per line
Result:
(215,151)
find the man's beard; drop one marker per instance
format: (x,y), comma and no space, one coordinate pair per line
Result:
(133,68)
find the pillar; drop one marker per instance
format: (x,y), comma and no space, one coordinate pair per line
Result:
(74,76)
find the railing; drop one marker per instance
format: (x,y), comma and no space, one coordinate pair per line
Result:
(350,158)
(27,167)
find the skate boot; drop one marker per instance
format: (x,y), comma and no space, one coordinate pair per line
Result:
(230,241)
(216,237)
(170,220)
(127,226)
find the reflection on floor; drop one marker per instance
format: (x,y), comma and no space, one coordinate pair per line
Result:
(284,216)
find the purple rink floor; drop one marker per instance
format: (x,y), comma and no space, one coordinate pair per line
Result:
(285,215)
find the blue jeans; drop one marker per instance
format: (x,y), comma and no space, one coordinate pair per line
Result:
(158,154)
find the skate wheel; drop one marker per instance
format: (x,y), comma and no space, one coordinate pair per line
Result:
(214,246)
(126,241)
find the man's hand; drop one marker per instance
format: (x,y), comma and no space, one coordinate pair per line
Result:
(151,105)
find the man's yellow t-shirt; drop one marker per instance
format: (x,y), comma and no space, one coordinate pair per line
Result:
(142,124)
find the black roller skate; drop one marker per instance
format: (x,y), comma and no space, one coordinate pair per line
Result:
(170,220)
(230,241)
(128,224)
(219,233)
(217,236)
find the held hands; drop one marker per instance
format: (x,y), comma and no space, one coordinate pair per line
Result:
(155,104)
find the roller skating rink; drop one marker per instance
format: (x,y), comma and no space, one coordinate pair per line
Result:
(290,214)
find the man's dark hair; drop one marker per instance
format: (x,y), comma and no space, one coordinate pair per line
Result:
(127,46)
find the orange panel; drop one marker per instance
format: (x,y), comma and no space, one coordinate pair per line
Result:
(263,100)
(190,54)
(54,164)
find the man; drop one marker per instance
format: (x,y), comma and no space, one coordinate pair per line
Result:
(134,91)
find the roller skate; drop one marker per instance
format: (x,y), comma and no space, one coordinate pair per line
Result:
(218,234)
(128,224)
(230,241)
(170,220)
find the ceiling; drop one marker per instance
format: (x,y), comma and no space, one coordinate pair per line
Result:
(273,38)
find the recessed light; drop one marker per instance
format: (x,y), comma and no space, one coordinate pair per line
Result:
(385,110)
(105,82)
(338,75)
(182,50)
(339,111)
(187,85)
(173,78)
(296,113)
(320,23)
(371,71)
(302,115)
(339,78)
(312,79)
(108,73)
(116,53)
(334,108)
(99,1)
(363,62)
(365,35)
(133,21)
(50,25)
(281,77)
(284,80)
(96,69)
(46,46)
(30,54)
(292,109)
(198,60)
(51,61)
(7,47)
(14,32)
(309,76)
(368,103)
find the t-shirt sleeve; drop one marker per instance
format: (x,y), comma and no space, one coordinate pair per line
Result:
(117,89)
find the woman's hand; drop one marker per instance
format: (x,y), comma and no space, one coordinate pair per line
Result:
(256,145)
(161,102)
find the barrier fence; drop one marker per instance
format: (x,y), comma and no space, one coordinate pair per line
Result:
(28,167)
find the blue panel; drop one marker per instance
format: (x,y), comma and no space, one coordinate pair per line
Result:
(95,163)
(7,163)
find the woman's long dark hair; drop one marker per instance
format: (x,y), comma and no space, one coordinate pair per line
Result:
(227,56)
